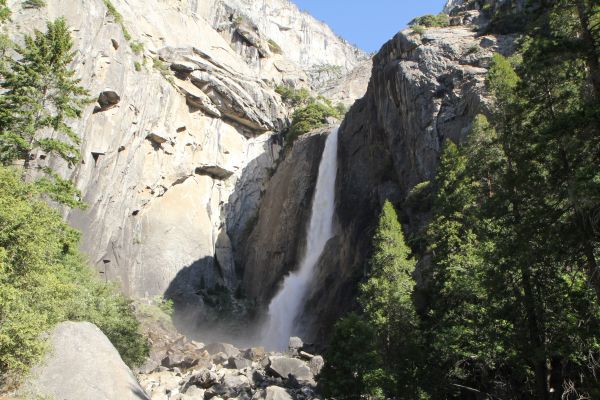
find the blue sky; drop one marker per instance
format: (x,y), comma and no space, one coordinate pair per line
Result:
(368,23)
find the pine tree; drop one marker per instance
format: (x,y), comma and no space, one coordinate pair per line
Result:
(41,96)
(354,366)
(386,298)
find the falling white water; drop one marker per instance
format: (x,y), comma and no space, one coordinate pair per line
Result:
(286,306)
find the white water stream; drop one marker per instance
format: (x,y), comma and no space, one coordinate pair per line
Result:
(287,304)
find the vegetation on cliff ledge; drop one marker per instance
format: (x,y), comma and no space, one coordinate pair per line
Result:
(311,112)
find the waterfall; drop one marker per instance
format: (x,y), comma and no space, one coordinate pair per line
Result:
(287,304)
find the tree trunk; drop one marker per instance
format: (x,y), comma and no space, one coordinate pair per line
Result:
(536,338)
(592,52)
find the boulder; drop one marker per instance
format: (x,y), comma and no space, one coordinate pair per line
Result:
(285,367)
(255,353)
(215,348)
(194,392)
(107,100)
(204,379)
(276,393)
(305,355)
(179,360)
(316,365)
(157,138)
(82,364)
(294,345)
(220,358)
(214,171)
(230,386)
(239,363)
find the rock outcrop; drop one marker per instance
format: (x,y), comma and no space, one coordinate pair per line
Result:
(348,88)
(309,43)
(82,364)
(275,244)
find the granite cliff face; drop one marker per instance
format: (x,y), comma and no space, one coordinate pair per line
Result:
(424,89)
(186,132)
(307,42)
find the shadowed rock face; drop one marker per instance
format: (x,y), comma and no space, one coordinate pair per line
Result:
(275,243)
(424,89)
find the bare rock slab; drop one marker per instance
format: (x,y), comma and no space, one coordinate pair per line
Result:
(285,367)
(83,364)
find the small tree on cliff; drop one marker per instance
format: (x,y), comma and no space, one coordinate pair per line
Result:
(41,96)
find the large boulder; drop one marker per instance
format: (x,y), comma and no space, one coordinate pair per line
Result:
(285,367)
(82,364)
(216,348)
(276,393)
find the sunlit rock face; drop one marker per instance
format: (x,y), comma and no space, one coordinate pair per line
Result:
(186,132)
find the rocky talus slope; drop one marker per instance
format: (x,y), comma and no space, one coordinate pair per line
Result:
(83,364)
(190,370)
(186,132)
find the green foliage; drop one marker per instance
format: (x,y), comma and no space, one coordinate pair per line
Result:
(41,96)
(310,117)
(164,70)
(419,29)
(330,69)
(4,11)
(430,21)
(166,305)
(112,10)
(385,339)
(137,66)
(34,4)
(512,293)
(137,47)
(341,109)
(502,78)
(292,96)
(386,299)
(274,47)
(44,280)
(509,290)
(5,46)
(354,366)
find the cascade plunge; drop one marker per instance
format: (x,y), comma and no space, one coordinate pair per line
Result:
(287,304)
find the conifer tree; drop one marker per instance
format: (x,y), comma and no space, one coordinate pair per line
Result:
(354,366)
(41,93)
(386,298)
(41,96)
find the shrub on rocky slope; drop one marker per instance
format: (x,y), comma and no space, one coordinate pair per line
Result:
(44,280)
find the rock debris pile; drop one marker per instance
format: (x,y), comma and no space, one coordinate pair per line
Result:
(189,370)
